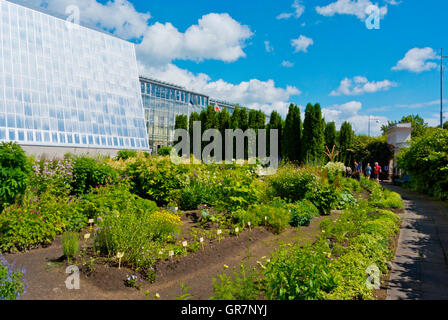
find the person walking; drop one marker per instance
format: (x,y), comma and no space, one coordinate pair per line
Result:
(377,171)
(368,171)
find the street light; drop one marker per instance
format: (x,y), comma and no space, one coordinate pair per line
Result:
(373,119)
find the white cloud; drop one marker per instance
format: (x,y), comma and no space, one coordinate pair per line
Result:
(268,47)
(287,64)
(302,43)
(116,16)
(350,112)
(216,36)
(349,7)
(416,60)
(359,85)
(257,94)
(421,105)
(299,9)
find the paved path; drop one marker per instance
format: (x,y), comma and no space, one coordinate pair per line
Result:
(420,269)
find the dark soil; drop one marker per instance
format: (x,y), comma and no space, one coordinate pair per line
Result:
(103,280)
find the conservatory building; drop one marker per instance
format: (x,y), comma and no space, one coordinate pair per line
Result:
(65,87)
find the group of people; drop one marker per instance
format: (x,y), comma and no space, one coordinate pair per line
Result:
(368,171)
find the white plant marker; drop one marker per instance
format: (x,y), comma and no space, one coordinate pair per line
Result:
(87,236)
(120,255)
(249,224)
(185,244)
(219,232)
(171,254)
(201,240)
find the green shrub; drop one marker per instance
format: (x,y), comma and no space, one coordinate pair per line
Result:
(274,216)
(12,282)
(384,198)
(197,194)
(346,200)
(54,176)
(427,162)
(126,154)
(242,285)
(334,170)
(110,198)
(89,173)
(302,213)
(164,151)
(325,198)
(15,170)
(292,184)
(158,180)
(300,273)
(37,221)
(70,244)
(138,235)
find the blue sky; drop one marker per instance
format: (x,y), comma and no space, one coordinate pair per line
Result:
(265,54)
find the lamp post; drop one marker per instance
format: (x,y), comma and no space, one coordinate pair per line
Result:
(372,119)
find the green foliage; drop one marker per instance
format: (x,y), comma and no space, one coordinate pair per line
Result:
(330,135)
(292,184)
(418,124)
(164,151)
(346,200)
(126,154)
(70,244)
(114,198)
(242,285)
(324,197)
(158,180)
(53,176)
(89,173)
(346,139)
(313,139)
(12,282)
(302,213)
(197,194)
(384,198)
(14,173)
(292,134)
(300,273)
(335,266)
(37,221)
(334,170)
(138,235)
(427,163)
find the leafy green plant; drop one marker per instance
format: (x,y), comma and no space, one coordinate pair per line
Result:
(89,173)
(164,151)
(70,244)
(12,282)
(15,170)
(292,184)
(302,213)
(126,154)
(324,197)
(138,235)
(197,194)
(242,285)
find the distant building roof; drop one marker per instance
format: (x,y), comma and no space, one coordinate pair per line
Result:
(401,125)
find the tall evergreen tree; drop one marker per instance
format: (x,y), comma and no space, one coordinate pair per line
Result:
(346,138)
(313,139)
(292,135)
(194,116)
(224,121)
(275,122)
(330,135)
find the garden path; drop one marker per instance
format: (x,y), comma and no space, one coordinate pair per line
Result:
(420,269)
